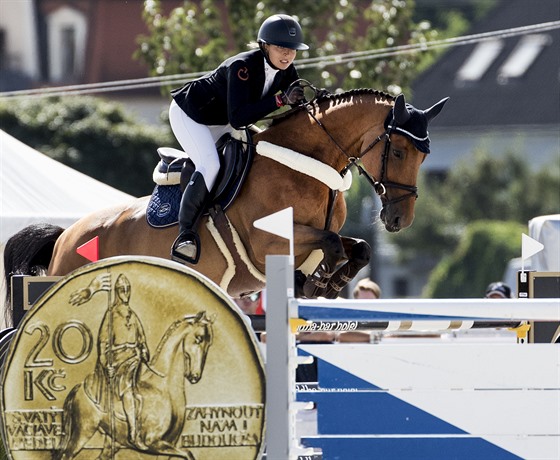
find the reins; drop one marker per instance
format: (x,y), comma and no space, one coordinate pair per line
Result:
(379,186)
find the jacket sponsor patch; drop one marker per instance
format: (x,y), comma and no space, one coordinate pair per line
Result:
(243,74)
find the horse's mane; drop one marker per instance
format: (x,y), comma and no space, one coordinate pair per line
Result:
(170,330)
(334,97)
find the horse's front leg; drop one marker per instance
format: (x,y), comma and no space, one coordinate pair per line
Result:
(307,239)
(110,448)
(359,253)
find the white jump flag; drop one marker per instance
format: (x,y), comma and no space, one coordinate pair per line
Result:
(280,223)
(529,247)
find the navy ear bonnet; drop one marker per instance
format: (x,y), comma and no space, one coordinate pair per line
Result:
(413,123)
(416,128)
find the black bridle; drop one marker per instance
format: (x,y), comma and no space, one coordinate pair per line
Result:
(380,186)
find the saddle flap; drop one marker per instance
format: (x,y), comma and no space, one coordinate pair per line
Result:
(236,159)
(235,163)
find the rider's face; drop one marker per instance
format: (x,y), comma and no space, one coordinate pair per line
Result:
(123,292)
(281,57)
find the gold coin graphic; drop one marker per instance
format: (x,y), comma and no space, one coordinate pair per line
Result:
(133,358)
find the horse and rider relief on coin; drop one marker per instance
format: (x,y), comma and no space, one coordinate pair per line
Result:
(131,359)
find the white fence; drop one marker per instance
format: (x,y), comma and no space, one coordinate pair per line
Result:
(403,400)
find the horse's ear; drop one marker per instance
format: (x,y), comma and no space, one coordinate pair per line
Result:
(435,109)
(200,315)
(400,112)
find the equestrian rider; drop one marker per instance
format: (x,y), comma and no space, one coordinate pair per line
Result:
(242,90)
(122,348)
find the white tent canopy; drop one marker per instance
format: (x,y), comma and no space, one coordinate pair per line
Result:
(546,229)
(35,188)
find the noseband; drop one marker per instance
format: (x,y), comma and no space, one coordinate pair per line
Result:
(380,186)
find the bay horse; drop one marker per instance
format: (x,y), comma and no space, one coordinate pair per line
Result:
(180,355)
(302,162)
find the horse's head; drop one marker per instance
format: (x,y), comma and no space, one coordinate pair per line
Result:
(196,342)
(386,138)
(406,144)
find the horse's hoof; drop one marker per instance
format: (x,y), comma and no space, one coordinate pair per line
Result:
(299,282)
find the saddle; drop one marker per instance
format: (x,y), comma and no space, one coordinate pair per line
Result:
(174,169)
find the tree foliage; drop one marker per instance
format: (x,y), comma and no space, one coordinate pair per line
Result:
(480,258)
(503,187)
(90,135)
(197,36)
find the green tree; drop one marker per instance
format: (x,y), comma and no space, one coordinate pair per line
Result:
(189,39)
(487,187)
(480,258)
(197,36)
(90,135)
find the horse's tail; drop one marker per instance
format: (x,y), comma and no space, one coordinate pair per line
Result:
(66,424)
(28,252)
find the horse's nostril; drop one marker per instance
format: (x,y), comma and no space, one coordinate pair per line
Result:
(383,215)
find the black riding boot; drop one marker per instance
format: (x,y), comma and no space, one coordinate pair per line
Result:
(186,247)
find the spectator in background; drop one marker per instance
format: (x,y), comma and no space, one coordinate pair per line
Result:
(249,304)
(498,290)
(365,289)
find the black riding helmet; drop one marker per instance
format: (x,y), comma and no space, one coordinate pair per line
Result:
(282,30)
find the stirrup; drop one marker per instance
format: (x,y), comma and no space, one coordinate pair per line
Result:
(186,249)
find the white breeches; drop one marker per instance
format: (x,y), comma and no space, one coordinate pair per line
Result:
(198,142)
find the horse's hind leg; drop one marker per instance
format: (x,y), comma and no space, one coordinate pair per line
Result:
(80,424)
(74,444)
(110,448)
(359,253)
(77,441)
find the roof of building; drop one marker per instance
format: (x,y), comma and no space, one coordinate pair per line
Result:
(504,81)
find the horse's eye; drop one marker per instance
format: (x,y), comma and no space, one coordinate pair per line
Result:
(398,153)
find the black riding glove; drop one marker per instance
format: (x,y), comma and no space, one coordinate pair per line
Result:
(293,95)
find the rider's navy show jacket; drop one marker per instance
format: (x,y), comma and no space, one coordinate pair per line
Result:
(233,92)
